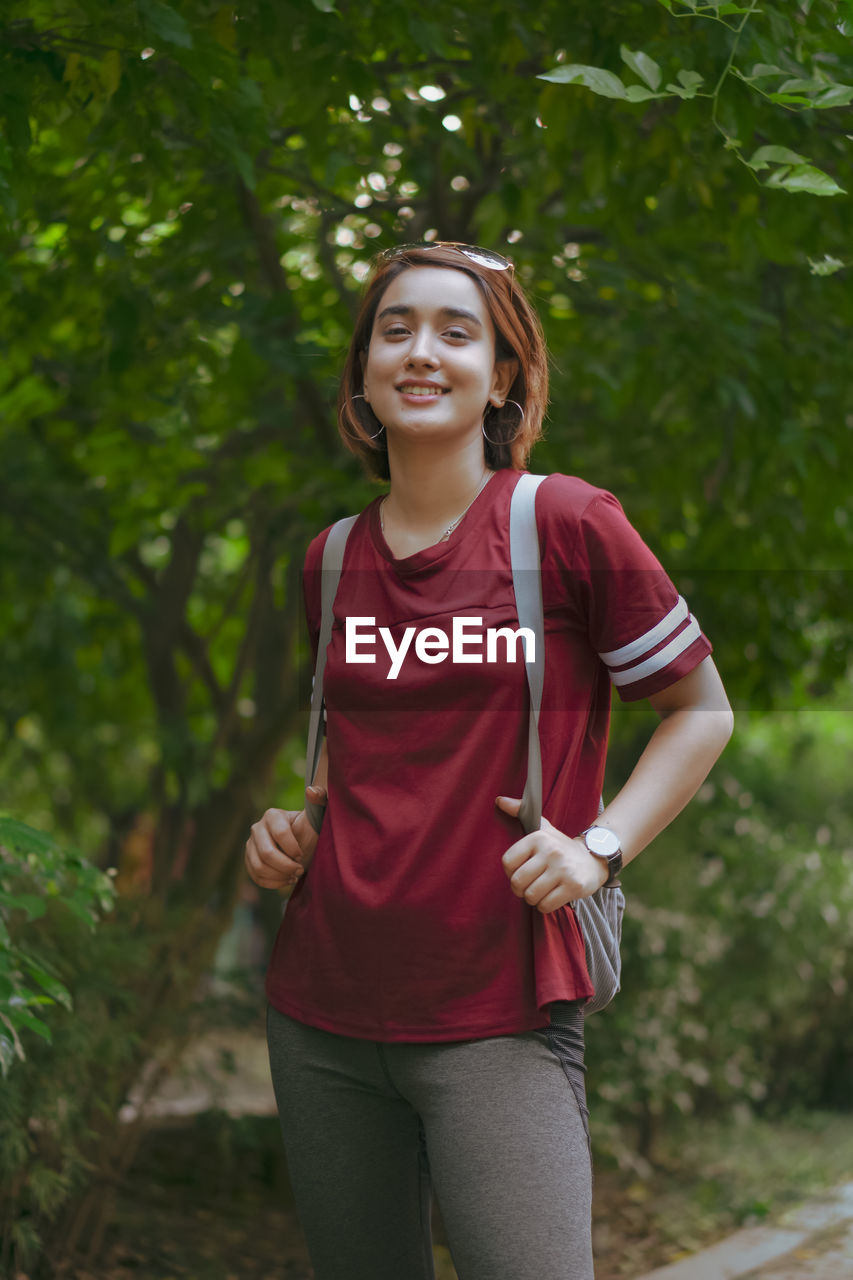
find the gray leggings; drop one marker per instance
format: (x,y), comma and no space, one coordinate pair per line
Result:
(497,1127)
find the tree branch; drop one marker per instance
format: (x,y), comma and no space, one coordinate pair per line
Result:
(263,233)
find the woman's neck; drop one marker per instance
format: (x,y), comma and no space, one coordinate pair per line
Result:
(429,488)
(431,492)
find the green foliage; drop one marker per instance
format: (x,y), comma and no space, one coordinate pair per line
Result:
(59,1108)
(51,1102)
(35,874)
(800,87)
(737,963)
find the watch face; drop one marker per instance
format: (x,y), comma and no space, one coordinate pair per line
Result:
(601,841)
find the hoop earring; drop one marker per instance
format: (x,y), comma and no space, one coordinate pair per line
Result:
(498,443)
(359,396)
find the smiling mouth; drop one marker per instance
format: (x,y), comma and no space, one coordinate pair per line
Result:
(408,389)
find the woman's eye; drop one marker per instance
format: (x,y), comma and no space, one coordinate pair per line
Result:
(457,333)
(395,332)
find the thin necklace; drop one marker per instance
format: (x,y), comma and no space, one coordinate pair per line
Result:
(486,476)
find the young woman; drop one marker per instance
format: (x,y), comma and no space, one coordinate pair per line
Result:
(426,988)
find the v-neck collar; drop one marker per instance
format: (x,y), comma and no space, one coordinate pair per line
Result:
(466,528)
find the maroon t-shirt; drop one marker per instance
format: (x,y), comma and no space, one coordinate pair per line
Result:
(405,927)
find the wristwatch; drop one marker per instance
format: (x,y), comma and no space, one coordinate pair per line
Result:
(604,844)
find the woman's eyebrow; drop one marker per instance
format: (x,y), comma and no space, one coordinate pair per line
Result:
(454,313)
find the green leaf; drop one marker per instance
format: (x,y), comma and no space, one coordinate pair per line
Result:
(639,93)
(54,988)
(602,82)
(33,905)
(717,8)
(765,156)
(690,79)
(805,177)
(21,1017)
(837,95)
(790,98)
(27,398)
(826,266)
(801,86)
(24,839)
(645,67)
(166,22)
(325,6)
(682,91)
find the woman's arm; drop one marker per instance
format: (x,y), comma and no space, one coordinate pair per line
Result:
(549,867)
(696,723)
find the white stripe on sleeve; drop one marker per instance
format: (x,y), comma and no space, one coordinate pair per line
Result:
(660,631)
(660,659)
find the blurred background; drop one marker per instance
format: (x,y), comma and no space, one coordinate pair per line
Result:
(191,195)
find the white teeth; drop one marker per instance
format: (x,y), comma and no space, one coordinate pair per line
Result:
(421,391)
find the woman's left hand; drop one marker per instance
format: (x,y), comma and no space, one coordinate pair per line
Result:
(548,868)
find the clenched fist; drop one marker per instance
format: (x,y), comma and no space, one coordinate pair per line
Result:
(282,845)
(548,868)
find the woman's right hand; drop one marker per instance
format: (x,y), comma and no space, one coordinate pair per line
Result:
(282,844)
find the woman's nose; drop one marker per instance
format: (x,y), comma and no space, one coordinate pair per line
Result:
(423,349)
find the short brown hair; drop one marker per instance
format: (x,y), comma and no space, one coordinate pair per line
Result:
(518,335)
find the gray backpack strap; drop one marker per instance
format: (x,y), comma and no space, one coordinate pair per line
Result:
(600,915)
(527,584)
(333,559)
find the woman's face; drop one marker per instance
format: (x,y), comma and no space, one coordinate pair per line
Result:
(430,366)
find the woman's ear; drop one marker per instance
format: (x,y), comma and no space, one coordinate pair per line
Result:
(506,372)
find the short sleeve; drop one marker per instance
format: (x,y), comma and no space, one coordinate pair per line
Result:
(637,622)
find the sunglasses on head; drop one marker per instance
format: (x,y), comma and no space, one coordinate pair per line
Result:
(483,257)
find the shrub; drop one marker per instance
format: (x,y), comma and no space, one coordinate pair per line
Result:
(736,943)
(44,891)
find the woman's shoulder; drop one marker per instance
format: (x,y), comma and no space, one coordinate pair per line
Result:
(568,499)
(579,521)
